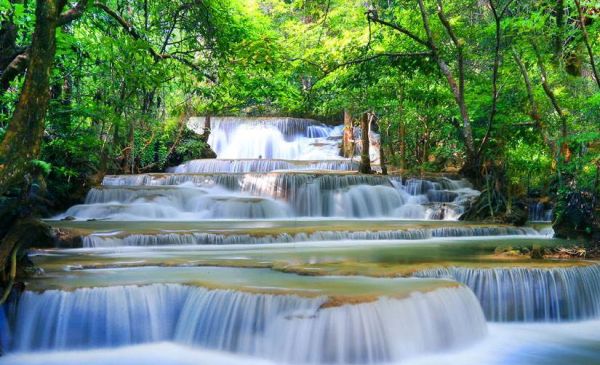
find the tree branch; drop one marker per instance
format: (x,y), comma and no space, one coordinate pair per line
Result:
(547,90)
(566,152)
(446,24)
(372,15)
(459,49)
(72,14)
(124,24)
(21,60)
(495,69)
(330,70)
(379,55)
(16,67)
(130,29)
(188,63)
(535,115)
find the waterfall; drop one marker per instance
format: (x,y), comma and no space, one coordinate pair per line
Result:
(271,174)
(280,327)
(539,213)
(383,331)
(531,294)
(4,330)
(289,127)
(182,202)
(258,165)
(203,238)
(272,138)
(272,196)
(124,315)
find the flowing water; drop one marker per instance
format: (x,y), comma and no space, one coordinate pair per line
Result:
(278,252)
(532,294)
(539,212)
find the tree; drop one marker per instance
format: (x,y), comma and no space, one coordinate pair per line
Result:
(455,82)
(22,141)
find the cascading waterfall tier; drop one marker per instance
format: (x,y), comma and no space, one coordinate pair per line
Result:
(271,168)
(540,212)
(273,196)
(204,238)
(284,328)
(530,294)
(271,138)
(289,127)
(257,165)
(269,172)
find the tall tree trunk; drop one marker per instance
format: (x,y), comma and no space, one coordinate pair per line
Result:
(129,159)
(586,40)
(534,113)
(348,138)
(383,139)
(365,158)
(206,130)
(559,10)
(23,138)
(389,143)
(498,15)
(471,166)
(402,133)
(382,162)
(565,150)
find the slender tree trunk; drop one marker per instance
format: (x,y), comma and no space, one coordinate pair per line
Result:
(382,161)
(426,144)
(206,130)
(565,150)
(389,143)
(534,113)
(471,165)
(402,137)
(586,40)
(348,137)
(498,14)
(23,138)
(365,158)
(131,157)
(559,9)
(382,140)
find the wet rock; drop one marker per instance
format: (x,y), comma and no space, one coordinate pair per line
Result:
(577,218)
(66,238)
(517,215)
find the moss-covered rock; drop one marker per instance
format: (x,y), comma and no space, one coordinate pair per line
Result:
(190,146)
